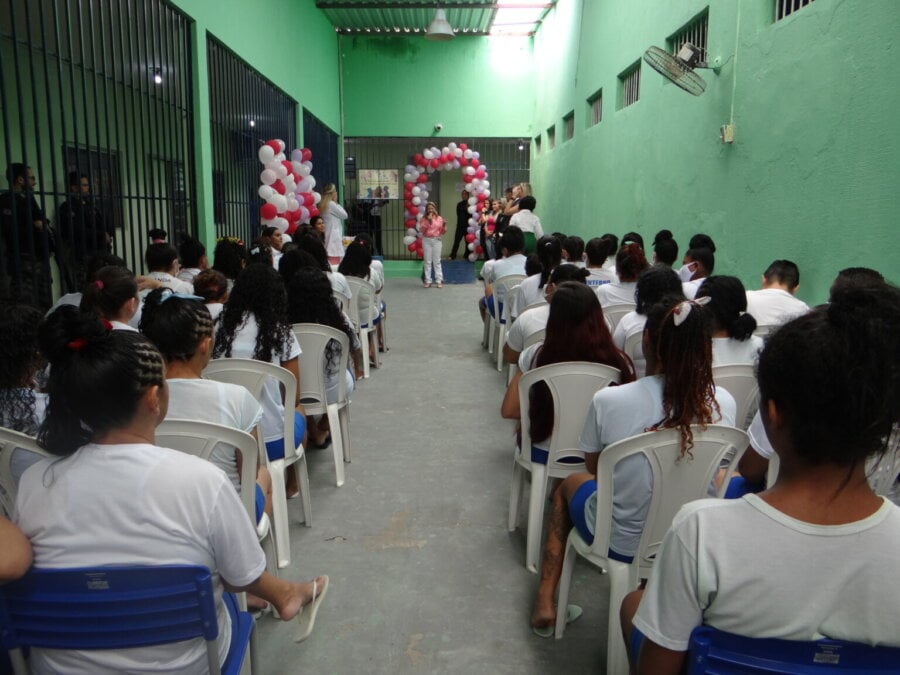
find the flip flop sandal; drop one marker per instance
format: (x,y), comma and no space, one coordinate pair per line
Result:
(573,612)
(306,619)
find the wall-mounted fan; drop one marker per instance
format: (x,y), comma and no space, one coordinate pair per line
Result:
(679,68)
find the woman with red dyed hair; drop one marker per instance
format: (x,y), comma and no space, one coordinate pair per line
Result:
(630,262)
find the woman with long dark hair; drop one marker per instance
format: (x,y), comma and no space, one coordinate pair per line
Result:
(112,496)
(357,263)
(677,392)
(576,331)
(733,341)
(254,325)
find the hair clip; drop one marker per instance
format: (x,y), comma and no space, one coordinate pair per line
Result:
(98,284)
(683,308)
(106,324)
(77,344)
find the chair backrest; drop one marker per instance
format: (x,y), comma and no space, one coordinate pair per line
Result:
(10,441)
(572,385)
(342,301)
(715,651)
(539,303)
(314,339)
(764,330)
(253,375)
(201,438)
(500,289)
(110,608)
(362,307)
(634,346)
(740,382)
(614,313)
(676,480)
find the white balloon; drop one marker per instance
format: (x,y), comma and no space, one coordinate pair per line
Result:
(424,194)
(410,232)
(451,146)
(289,184)
(296,155)
(280,156)
(416,200)
(316,197)
(306,185)
(281,224)
(473,257)
(445,150)
(281,143)
(476,155)
(472,200)
(304,214)
(265,153)
(417,190)
(487,193)
(307,163)
(456,164)
(410,168)
(473,223)
(430,169)
(472,209)
(471,246)
(408,239)
(428,154)
(419,216)
(267,177)
(469,171)
(297,166)
(409,178)
(265,192)
(422,209)
(280,170)
(486,183)
(458,153)
(279,201)
(304,170)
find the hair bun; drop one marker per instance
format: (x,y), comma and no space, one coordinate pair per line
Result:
(68,331)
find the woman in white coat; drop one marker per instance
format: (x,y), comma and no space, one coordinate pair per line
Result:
(334,215)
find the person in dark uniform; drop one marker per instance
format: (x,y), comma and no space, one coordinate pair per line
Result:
(462,224)
(81,233)
(25,244)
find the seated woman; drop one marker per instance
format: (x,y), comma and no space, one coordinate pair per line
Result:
(127,501)
(677,392)
(271,237)
(357,263)
(829,396)
(733,341)
(113,296)
(630,262)
(376,275)
(576,331)
(310,300)
(22,406)
(254,325)
(162,261)
(212,286)
(316,249)
(531,290)
(230,258)
(653,285)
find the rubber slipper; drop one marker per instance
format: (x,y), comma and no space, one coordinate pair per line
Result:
(573,612)
(306,619)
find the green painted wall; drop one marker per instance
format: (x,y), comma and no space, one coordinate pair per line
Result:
(812,175)
(290,42)
(402,86)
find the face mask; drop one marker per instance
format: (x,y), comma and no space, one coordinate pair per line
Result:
(687,271)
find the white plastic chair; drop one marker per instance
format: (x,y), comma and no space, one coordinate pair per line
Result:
(764,329)
(676,481)
(342,301)
(314,339)
(533,339)
(253,375)
(363,305)
(504,288)
(739,380)
(200,439)
(572,385)
(10,441)
(634,347)
(614,313)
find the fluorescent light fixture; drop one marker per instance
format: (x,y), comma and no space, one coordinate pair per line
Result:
(439,29)
(157,75)
(252,123)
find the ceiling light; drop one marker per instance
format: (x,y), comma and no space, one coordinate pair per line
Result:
(157,75)
(439,29)
(252,123)
(521,146)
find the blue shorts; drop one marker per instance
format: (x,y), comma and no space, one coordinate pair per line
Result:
(489,304)
(634,646)
(540,456)
(275,449)
(577,513)
(260,500)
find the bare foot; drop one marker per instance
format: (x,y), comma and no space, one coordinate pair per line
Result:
(542,617)
(297,595)
(255,603)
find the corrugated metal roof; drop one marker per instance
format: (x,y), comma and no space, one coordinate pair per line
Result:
(392,17)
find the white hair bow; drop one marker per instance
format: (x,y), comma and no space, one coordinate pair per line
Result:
(682,309)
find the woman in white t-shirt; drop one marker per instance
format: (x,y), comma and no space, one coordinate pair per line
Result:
(254,325)
(357,263)
(630,262)
(112,497)
(113,296)
(677,392)
(733,341)
(815,555)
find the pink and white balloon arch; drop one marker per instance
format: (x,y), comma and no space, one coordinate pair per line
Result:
(415,195)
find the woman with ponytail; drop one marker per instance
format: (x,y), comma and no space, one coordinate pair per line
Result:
(733,341)
(113,497)
(677,392)
(531,290)
(815,555)
(113,296)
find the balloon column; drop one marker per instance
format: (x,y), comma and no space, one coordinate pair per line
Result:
(287,187)
(415,195)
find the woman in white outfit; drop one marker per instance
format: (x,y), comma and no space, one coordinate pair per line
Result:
(334,215)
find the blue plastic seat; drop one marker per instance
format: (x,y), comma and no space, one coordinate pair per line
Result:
(117,608)
(714,651)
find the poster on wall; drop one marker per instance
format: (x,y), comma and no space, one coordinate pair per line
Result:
(378,184)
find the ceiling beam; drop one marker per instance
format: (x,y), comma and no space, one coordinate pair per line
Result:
(375,4)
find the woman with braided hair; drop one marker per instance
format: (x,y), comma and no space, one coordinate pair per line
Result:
(113,497)
(677,392)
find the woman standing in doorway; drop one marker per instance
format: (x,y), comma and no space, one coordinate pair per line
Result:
(334,215)
(432,227)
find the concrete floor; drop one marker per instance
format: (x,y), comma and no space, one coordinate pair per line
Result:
(425,577)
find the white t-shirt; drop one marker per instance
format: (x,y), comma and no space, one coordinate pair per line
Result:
(187,274)
(514,264)
(230,405)
(528,293)
(621,412)
(243,347)
(334,215)
(773,306)
(690,288)
(526,221)
(168,281)
(628,325)
(600,276)
(744,567)
(527,324)
(215,310)
(137,504)
(728,351)
(610,264)
(339,284)
(68,299)
(616,293)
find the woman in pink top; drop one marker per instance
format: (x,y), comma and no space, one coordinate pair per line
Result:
(432,228)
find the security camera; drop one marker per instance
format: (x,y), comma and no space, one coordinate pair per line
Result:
(438,126)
